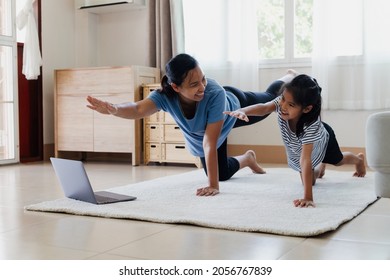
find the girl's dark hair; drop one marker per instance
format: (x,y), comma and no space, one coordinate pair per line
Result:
(305,91)
(176,70)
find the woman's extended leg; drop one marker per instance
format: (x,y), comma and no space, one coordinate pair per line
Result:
(248,98)
(249,160)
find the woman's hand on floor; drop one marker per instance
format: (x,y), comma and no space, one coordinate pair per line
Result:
(207,191)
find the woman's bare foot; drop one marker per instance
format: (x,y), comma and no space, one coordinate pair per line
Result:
(291,74)
(360,167)
(249,159)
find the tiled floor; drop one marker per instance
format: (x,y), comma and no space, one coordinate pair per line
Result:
(33,235)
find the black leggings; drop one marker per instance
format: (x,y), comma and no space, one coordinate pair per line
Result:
(228,166)
(333,154)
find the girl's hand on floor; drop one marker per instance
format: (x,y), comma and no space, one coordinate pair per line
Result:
(303,203)
(207,191)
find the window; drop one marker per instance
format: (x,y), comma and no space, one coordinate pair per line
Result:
(288,31)
(7,84)
(5,19)
(285,29)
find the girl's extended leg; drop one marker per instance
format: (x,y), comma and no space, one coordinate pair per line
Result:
(357,160)
(336,157)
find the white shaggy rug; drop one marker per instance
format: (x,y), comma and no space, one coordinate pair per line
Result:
(247,202)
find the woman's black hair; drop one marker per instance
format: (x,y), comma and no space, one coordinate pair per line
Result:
(305,92)
(176,70)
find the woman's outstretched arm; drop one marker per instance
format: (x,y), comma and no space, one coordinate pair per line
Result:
(129,110)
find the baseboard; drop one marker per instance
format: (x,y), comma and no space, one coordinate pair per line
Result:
(275,154)
(91,156)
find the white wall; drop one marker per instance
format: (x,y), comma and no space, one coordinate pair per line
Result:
(76,38)
(73,38)
(58,51)
(123,38)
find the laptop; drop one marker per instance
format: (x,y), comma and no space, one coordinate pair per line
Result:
(75,183)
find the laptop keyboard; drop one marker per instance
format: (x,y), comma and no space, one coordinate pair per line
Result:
(104,199)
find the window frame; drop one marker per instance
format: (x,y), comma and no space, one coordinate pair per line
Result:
(10,41)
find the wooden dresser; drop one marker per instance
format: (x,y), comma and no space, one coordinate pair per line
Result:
(163,139)
(80,129)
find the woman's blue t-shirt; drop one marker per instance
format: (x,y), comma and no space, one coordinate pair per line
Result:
(209,110)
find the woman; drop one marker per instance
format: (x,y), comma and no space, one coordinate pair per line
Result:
(197,105)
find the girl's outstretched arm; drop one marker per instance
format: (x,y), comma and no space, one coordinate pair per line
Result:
(260,109)
(307,177)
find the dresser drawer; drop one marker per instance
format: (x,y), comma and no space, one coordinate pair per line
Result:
(177,152)
(155,118)
(152,152)
(152,132)
(172,132)
(167,118)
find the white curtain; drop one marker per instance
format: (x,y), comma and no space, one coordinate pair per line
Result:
(32,60)
(351,53)
(166,31)
(222,36)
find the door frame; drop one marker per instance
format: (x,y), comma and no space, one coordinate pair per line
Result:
(31,115)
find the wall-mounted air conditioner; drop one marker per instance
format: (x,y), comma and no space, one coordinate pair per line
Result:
(107,6)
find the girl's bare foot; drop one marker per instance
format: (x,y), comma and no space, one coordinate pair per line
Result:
(360,167)
(322,170)
(319,171)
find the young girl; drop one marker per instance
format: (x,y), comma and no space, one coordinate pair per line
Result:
(309,142)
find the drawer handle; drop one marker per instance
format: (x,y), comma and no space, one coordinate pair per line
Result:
(180,147)
(176,127)
(153,127)
(153,146)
